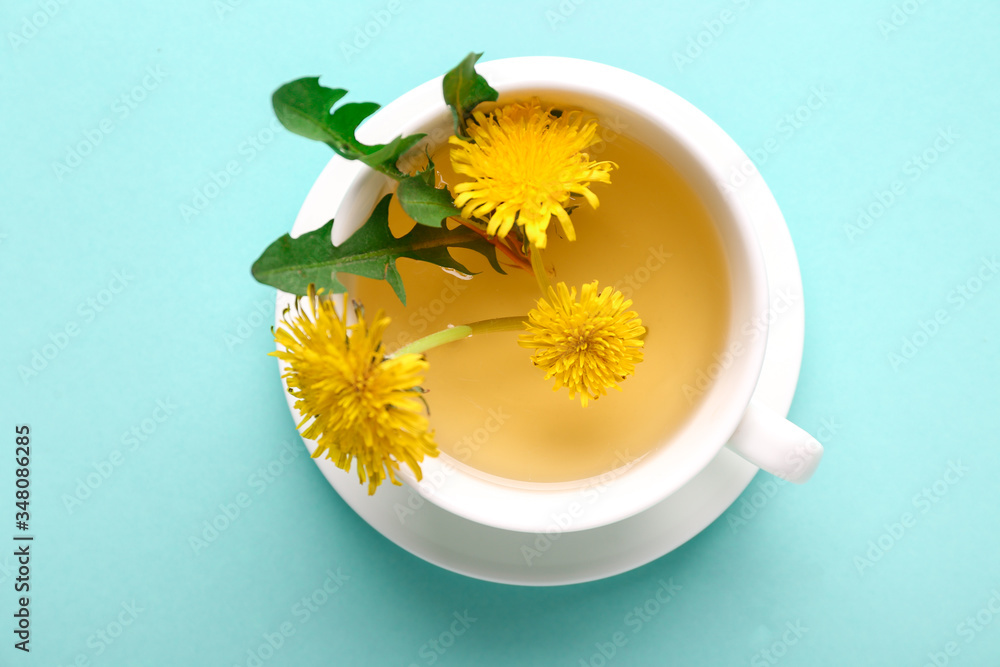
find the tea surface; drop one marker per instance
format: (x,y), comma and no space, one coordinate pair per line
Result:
(490,407)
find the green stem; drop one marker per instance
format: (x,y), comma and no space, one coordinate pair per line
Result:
(451,334)
(515,323)
(538,266)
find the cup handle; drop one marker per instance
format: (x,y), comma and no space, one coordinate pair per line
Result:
(774,444)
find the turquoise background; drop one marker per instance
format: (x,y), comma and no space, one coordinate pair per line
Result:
(182,328)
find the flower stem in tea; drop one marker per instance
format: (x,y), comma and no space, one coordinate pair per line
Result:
(451,334)
(538,266)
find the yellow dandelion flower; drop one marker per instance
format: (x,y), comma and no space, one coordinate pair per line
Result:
(362,404)
(587,346)
(526,163)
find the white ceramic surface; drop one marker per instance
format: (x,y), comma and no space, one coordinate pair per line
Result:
(569,552)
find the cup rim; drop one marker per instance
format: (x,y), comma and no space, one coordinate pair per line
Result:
(535,508)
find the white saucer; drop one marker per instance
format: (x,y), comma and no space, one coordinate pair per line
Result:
(492,554)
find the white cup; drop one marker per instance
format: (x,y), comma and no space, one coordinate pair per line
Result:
(725,417)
